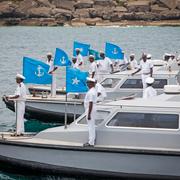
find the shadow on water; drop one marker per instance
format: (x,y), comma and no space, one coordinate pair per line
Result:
(13,175)
(37,126)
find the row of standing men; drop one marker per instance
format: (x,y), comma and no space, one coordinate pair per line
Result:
(105,66)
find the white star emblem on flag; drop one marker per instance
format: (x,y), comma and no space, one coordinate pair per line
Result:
(75,81)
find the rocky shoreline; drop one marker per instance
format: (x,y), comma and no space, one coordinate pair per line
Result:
(90,12)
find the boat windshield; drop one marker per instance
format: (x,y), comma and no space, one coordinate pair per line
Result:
(137,83)
(110,82)
(145,120)
(100,116)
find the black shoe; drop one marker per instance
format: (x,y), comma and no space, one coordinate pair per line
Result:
(87,145)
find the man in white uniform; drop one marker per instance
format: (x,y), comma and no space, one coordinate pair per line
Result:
(149,91)
(172,63)
(79,59)
(101,92)
(132,62)
(92,67)
(52,70)
(90,110)
(20,97)
(74,63)
(146,68)
(105,66)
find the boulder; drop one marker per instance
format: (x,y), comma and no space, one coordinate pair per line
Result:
(138,6)
(157,9)
(64,4)
(61,13)
(104,2)
(140,16)
(82,13)
(120,9)
(43,3)
(170,15)
(84,4)
(115,17)
(87,21)
(12,21)
(96,12)
(178,5)
(6,9)
(171,4)
(25,5)
(104,13)
(43,12)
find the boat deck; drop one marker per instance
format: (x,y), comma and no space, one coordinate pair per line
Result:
(28,139)
(54,99)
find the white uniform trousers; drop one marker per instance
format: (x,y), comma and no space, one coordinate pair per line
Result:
(91,129)
(143,77)
(20,117)
(53,85)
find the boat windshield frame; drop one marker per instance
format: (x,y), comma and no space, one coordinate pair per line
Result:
(81,118)
(142,128)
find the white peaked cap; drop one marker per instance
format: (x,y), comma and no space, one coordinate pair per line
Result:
(149,55)
(90,79)
(49,54)
(74,57)
(167,54)
(132,54)
(20,76)
(101,52)
(91,56)
(149,80)
(77,49)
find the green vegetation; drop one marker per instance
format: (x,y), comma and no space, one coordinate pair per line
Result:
(120,2)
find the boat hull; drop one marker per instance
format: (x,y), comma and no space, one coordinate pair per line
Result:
(49,111)
(49,159)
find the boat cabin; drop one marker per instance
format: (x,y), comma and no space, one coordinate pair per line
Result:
(138,123)
(123,84)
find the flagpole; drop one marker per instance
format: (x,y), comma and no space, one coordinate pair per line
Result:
(65,117)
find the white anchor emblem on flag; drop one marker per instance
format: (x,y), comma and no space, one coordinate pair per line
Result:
(62,60)
(40,71)
(115,51)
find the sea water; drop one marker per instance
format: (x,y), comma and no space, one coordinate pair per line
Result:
(35,42)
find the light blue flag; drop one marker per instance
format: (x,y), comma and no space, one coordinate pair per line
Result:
(61,58)
(76,80)
(95,53)
(36,72)
(83,47)
(113,51)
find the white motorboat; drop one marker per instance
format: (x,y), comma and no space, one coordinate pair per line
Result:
(137,138)
(118,85)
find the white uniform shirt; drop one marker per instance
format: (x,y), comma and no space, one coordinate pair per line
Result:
(100,89)
(149,92)
(79,58)
(51,65)
(104,65)
(133,64)
(145,67)
(76,65)
(93,68)
(21,91)
(91,96)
